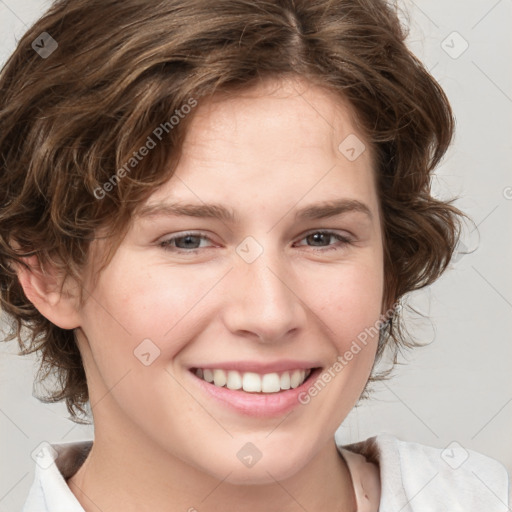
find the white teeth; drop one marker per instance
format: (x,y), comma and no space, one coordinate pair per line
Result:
(207,375)
(296,378)
(253,382)
(285,380)
(270,383)
(234,380)
(219,377)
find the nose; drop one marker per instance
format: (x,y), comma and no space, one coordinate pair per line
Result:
(264,299)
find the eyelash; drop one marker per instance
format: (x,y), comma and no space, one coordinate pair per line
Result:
(165,244)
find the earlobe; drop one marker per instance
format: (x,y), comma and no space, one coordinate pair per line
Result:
(50,294)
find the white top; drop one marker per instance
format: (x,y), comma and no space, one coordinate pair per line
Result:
(388,475)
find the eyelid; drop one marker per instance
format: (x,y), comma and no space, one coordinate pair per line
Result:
(343,239)
(327,231)
(198,234)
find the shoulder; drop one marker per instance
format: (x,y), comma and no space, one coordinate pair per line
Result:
(55,463)
(414,476)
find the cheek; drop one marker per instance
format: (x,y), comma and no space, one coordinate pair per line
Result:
(349,308)
(142,300)
(136,322)
(134,312)
(347,305)
(347,299)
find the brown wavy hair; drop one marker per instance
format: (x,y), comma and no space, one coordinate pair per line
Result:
(70,121)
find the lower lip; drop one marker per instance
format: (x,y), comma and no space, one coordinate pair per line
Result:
(258,405)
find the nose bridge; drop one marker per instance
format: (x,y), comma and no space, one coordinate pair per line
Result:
(263,300)
(263,273)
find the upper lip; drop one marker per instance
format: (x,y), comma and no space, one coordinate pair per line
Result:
(262,368)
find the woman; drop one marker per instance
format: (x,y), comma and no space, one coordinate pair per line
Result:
(210,212)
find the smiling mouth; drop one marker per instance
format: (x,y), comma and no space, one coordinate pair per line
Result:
(251,382)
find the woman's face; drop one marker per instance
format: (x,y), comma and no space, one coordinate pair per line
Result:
(259,291)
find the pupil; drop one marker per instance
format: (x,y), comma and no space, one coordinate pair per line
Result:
(317,236)
(187,239)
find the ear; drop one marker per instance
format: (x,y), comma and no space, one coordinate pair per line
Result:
(53,296)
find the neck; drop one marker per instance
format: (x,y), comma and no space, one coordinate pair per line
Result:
(141,477)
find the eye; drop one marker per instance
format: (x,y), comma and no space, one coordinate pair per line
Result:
(186,242)
(326,236)
(190,243)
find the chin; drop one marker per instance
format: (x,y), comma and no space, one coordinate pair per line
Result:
(264,471)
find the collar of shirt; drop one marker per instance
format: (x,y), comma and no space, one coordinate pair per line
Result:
(387,474)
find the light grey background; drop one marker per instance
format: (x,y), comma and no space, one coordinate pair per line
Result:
(459,388)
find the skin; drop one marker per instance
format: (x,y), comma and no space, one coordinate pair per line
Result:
(160,444)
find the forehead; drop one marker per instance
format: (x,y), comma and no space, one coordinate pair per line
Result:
(271,147)
(305,115)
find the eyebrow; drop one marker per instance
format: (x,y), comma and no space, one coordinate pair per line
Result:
(316,211)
